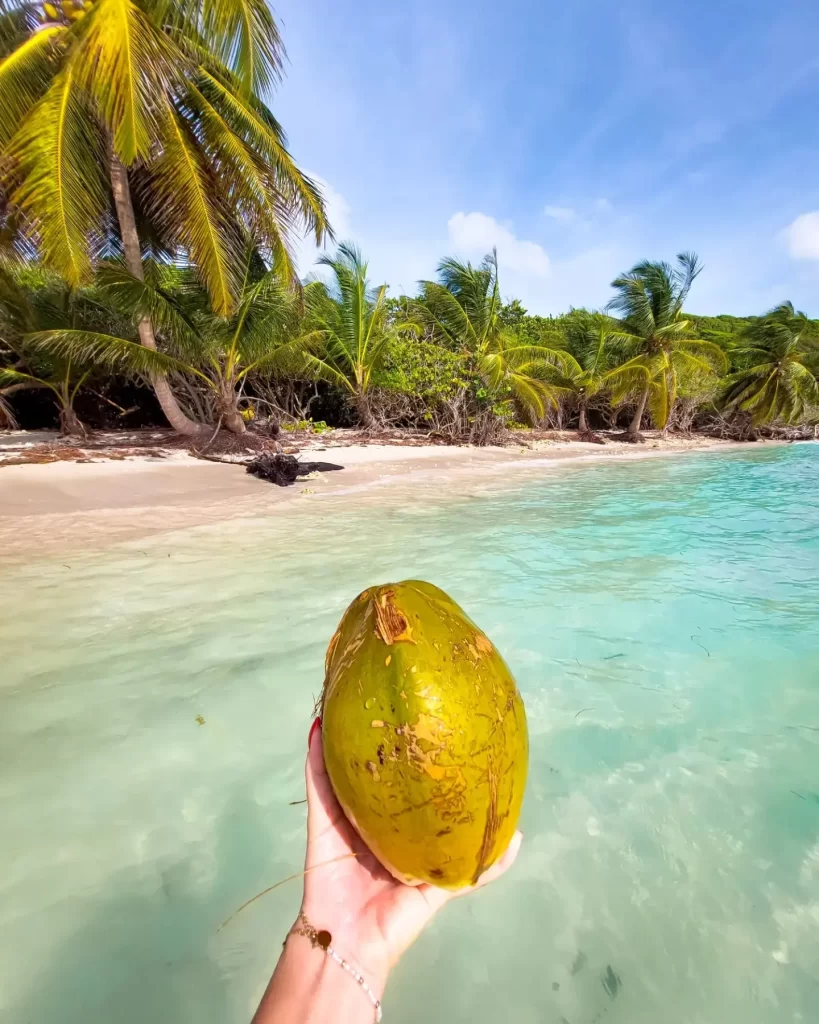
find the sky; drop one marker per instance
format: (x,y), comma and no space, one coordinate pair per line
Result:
(576,137)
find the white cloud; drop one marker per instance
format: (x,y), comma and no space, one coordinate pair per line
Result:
(802,236)
(602,204)
(476,233)
(561,213)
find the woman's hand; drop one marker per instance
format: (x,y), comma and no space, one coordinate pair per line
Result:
(372,918)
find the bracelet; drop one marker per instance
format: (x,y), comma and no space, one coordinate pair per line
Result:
(321,939)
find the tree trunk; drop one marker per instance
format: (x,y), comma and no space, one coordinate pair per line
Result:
(582,425)
(362,405)
(133,260)
(634,426)
(70,423)
(229,410)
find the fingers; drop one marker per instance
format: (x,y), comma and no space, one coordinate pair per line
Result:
(503,863)
(322,806)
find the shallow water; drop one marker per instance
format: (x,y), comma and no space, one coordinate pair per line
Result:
(662,620)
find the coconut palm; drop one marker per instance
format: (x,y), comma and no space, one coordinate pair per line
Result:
(587,366)
(463,310)
(778,381)
(62,379)
(350,325)
(42,302)
(155,105)
(220,353)
(657,343)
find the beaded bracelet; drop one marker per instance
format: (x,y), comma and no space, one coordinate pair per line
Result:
(321,939)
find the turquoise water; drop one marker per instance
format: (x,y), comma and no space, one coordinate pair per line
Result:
(662,620)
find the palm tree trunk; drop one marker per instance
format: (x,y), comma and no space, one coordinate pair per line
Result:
(582,425)
(133,260)
(362,405)
(70,423)
(634,426)
(229,409)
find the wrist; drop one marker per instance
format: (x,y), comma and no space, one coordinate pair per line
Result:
(310,987)
(364,962)
(351,939)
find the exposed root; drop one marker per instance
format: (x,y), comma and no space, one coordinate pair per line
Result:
(589,437)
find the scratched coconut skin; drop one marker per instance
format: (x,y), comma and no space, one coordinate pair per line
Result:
(424,735)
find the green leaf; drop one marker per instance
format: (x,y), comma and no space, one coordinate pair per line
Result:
(184,197)
(106,350)
(56,156)
(124,61)
(25,75)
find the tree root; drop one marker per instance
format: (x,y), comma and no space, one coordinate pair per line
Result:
(589,437)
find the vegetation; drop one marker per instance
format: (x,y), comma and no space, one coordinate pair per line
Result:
(349,323)
(148,206)
(134,126)
(656,339)
(780,356)
(462,311)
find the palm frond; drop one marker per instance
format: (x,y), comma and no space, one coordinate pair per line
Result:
(105,350)
(136,298)
(257,127)
(123,60)
(246,178)
(440,309)
(25,74)
(185,198)
(245,37)
(9,378)
(325,369)
(56,156)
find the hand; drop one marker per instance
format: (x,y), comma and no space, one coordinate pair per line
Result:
(372,918)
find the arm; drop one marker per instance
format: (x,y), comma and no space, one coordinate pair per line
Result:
(371,918)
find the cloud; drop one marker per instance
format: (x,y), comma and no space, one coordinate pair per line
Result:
(561,213)
(476,233)
(602,204)
(802,236)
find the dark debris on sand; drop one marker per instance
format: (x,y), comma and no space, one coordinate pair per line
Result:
(284,470)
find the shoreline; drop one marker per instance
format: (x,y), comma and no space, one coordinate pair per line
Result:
(57,506)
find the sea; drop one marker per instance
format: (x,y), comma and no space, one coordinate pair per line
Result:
(661,617)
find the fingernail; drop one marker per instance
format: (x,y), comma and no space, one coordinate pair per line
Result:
(316,725)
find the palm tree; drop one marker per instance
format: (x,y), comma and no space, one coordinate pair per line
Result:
(463,308)
(156,105)
(25,308)
(656,341)
(353,324)
(61,379)
(220,353)
(588,363)
(778,382)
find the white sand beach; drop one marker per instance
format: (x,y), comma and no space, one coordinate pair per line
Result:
(101,501)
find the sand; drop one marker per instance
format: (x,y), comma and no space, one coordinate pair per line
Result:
(54,506)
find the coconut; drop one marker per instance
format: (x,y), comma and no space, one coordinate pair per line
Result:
(424,735)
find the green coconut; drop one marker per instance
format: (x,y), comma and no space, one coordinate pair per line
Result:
(424,735)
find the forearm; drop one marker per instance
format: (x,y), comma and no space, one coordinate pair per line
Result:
(309,987)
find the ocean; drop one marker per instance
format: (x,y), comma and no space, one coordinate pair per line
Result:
(662,620)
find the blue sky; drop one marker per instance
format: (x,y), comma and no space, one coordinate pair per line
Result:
(578,137)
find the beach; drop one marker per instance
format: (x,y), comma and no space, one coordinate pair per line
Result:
(102,500)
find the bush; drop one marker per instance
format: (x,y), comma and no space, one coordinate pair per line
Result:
(311,426)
